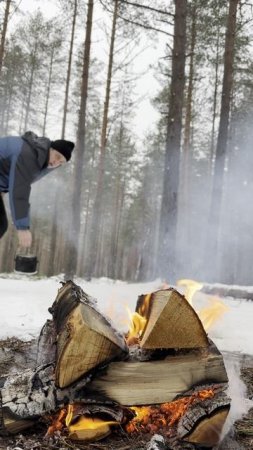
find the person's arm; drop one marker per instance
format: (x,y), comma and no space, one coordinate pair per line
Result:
(23,170)
(24,238)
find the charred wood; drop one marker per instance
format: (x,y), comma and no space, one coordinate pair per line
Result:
(31,394)
(202,423)
(157,443)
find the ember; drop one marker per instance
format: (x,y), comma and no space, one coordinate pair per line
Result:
(156,418)
(58,422)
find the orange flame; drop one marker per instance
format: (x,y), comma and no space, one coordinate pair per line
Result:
(213,312)
(87,427)
(138,321)
(58,423)
(144,307)
(154,418)
(191,287)
(136,328)
(210,314)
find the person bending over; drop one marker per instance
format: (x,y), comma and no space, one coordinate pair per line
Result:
(24,160)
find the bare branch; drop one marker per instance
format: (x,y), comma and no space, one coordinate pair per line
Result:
(147,27)
(160,11)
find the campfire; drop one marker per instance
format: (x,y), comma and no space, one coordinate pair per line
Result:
(164,377)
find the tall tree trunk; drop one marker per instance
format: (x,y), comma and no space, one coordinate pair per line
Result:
(30,86)
(118,273)
(217,188)
(169,204)
(4,32)
(87,206)
(97,208)
(74,231)
(3,107)
(216,80)
(8,108)
(116,208)
(48,91)
(54,243)
(186,154)
(21,116)
(65,107)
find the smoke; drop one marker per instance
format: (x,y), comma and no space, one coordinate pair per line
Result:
(240,404)
(199,257)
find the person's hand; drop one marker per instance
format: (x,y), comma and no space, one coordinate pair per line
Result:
(24,238)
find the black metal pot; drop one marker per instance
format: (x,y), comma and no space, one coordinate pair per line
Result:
(26,264)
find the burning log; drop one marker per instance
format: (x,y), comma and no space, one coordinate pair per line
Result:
(95,422)
(32,394)
(75,342)
(197,418)
(85,338)
(157,381)
(29,395)
(203,423)
(171,322)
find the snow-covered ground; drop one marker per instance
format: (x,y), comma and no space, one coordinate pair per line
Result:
(24,303)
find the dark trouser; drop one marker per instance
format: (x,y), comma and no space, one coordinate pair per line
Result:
(3,217)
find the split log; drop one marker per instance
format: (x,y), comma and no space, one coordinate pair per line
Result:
(85,338)
(152,382)
(202,424)
(171,321)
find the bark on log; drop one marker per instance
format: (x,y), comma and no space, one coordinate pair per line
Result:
(203,423)
(171,321)
(46,349)
(31,394)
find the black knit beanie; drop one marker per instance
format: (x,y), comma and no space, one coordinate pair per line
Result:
(63,147)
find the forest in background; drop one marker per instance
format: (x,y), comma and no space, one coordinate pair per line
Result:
(178,204)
